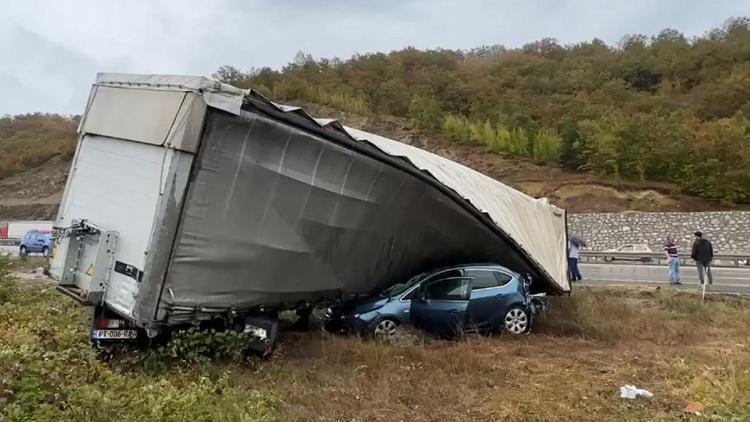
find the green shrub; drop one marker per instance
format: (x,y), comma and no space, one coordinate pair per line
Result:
(201,346)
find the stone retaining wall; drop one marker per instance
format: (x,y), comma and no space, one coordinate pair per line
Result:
(729,231)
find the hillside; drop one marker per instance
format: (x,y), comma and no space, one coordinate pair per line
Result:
(665,107)
(657,123)
(34,192)
(35,154)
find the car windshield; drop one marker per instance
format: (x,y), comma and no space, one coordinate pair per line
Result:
(399,288)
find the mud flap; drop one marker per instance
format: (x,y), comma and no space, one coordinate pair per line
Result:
(265,332)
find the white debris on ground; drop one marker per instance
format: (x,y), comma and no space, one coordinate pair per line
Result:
(632,392)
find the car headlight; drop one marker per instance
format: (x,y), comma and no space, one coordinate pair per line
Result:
(328,313)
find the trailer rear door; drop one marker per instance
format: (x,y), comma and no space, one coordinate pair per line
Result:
(114,184)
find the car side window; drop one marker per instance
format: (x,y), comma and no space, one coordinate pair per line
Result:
(444,274)
(627,248)
(503,278)
(482,279)
(411,294)
(455,288)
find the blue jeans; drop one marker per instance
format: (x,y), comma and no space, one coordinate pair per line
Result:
(575,274)
(674,269)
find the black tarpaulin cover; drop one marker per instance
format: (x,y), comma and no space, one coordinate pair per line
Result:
(277,214)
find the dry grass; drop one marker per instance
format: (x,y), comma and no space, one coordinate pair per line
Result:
(571,368)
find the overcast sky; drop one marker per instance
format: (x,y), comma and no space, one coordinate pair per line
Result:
(50,51)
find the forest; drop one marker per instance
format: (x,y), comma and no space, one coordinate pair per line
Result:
(664,107)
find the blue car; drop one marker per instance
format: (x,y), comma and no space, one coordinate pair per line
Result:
(36,241)
(448,301)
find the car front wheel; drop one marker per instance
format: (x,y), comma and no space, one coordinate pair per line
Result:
(45,252)
(385,329)
(517,320)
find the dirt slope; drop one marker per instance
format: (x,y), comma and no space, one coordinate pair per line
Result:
(36,194)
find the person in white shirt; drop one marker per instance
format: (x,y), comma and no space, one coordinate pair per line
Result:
(573,253)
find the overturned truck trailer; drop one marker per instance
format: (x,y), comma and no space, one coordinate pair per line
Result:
(191,200)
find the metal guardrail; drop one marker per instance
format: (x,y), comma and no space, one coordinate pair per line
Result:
(655,258)
(10,242)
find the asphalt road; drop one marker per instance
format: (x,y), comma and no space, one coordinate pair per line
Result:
(726,279)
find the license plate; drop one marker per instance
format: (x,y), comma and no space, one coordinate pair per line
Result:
(114,334)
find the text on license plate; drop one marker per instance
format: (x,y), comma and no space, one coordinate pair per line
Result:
(114,334)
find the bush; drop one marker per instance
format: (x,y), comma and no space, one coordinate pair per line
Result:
(201,346)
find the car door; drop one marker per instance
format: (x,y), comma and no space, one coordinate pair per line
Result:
(32,242)
(41,242)
(489,297)
(440,305)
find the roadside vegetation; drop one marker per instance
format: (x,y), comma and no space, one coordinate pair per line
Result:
(692,357)
(664,107)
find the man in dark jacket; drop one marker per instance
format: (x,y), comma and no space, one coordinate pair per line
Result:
(703,254)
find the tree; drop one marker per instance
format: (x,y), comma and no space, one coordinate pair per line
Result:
(425,112)
(572,148)
(230,75)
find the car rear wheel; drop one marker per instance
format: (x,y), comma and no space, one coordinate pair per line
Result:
(385,329)
(517,320)
(23,251)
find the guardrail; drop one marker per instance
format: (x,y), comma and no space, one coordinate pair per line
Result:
(655,258)
(10,242)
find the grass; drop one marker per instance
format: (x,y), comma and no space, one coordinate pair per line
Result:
(26,264)
(571,368)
